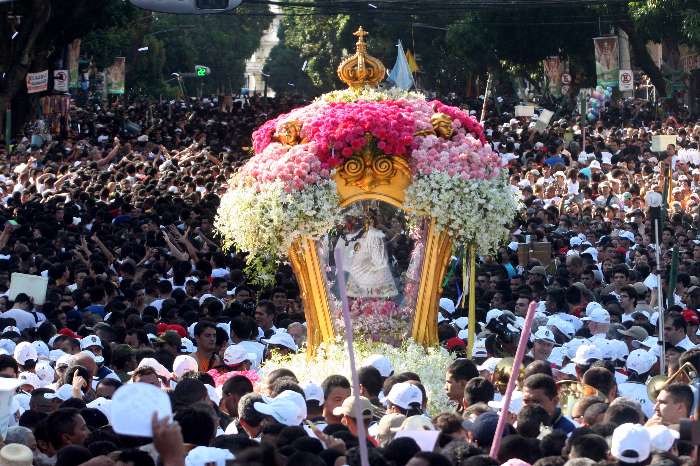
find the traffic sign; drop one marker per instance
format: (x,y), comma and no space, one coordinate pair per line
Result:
(566,78)
(626,80)
(565,89)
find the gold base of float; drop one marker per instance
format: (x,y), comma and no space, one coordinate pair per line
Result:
(383,178)
(303,256)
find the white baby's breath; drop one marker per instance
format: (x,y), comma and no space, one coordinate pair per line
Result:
(430,364)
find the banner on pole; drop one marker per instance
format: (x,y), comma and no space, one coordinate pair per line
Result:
(73,57)
(115,76)
(626,80)
(37,82)
(60,80)
(607,60)
(554,69)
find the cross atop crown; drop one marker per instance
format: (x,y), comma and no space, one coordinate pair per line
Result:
(360,34)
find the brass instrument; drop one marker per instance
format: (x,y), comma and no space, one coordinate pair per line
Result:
(570,391)
(685,374)
(502,373)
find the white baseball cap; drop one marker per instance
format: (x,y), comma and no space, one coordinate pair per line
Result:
(282,339)
(461,322)
(8,345)
(592,305)
(313,392)
(598,315)
(587,352)
(45,373)
(184,363)
(544,334)
(447,305)
(575,241)
(90,340)
(294,397)
(42,349)
(201,456)
(236,354)
(282,410)
(492,314)
(30,378)
(489,365)
(631,443)
(404,394)
(153,363)
(381,363)
(640,361)
(563,326)
(24,351)
(186,346)
(63,360)
(662,438)
(628,235)
(55,354)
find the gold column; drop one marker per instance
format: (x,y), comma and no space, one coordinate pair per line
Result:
(314,295)
(438,250)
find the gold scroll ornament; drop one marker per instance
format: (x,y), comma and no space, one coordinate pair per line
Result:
(370,176)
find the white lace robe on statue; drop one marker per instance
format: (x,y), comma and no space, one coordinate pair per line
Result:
(370,275)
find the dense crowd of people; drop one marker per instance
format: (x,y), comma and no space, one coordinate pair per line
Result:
(116,212)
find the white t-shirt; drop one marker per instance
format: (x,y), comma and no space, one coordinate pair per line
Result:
(638,392)
(23,318)
(686,344)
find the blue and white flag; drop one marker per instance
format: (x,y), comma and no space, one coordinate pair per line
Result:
(401,75)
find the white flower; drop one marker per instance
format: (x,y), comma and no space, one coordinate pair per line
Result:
(430,365)
(477,211)
(266,223)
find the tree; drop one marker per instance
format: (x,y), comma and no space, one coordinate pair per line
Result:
(46,27)
(176,43)
(284,67)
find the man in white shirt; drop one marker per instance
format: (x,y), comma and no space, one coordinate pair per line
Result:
(20,312)
(675,328)
(639,364)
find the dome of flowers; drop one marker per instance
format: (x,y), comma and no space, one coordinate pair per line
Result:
(287,189)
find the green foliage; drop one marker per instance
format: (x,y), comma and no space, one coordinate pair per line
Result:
(177,43)
(284,66)
(675,20)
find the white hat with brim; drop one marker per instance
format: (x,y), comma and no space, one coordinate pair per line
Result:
(587,353)
(283,411)
(208,456)
(631,443)
(15,454)
(662,437)
(281,339)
